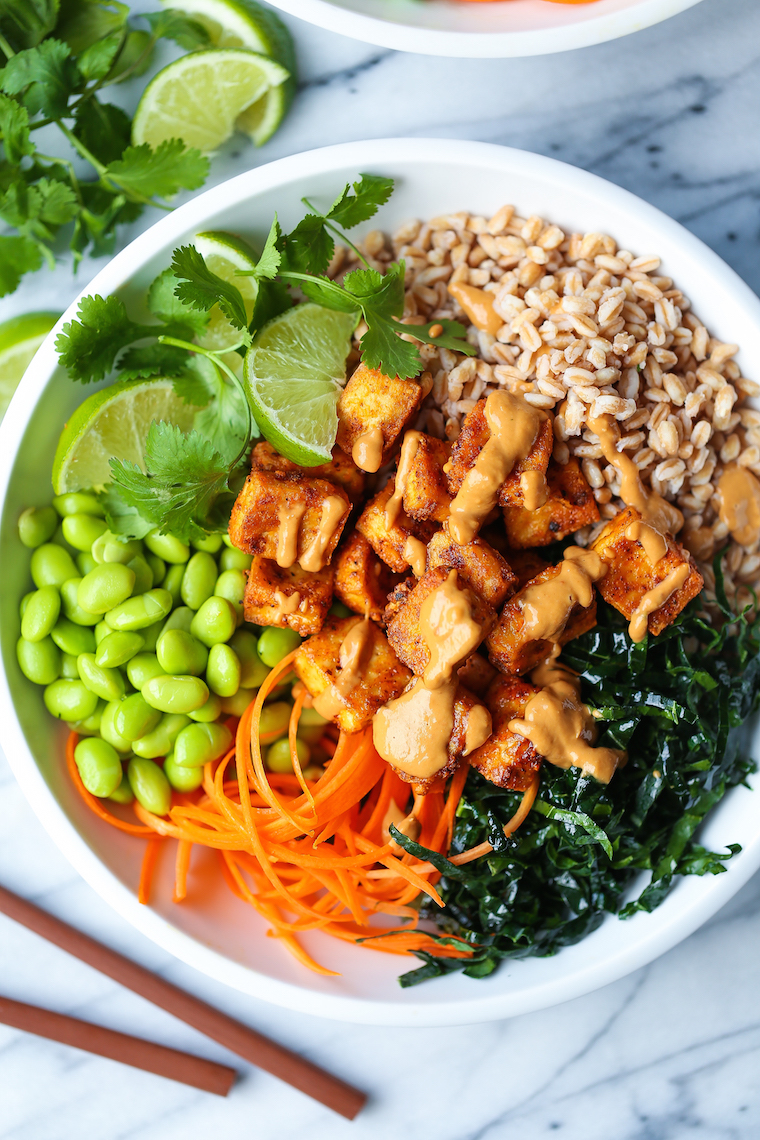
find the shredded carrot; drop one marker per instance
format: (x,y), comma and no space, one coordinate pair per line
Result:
(150,858)
(182,866)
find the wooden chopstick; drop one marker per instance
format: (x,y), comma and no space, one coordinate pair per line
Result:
(171,1063)
(247,1043)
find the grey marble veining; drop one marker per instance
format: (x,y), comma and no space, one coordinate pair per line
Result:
(669,1053)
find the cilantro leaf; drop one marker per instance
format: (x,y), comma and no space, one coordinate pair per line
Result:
(18,255)
(309,247)
(14,126)
(454,336)
(97,60)
(370,192)
(383,293)
(272,299)
(162,172)
(152,360)
(103,128)
(382,347)
(46,75)
(26,22)
(171,24)
(88,347)
(225,421)
(164,304)
(269,262)
(201,288)
(122,518)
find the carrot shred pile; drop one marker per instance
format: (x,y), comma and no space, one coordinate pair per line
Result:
(309,854)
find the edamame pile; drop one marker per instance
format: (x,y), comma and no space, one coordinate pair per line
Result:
(143,651)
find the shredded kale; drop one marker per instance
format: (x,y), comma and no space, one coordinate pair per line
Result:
(676,703)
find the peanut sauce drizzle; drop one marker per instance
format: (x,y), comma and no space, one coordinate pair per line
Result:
(513,425)
(415,552)
(353,656)
(534,489)
(478,728)
(408,825)
(654,544)
(561,728)
(651,506)
(655,598)
(314,557)
(286,604)
(448,629)
(367,452)
(739,496)
(546,606)
(478,305)
(288,528)
(409,447)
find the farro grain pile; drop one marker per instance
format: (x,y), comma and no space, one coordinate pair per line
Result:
(588,329)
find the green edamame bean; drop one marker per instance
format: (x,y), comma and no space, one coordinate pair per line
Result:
(40,613)
(209,711)
(108,729)
(52,566)
(175,694)
(236,706)
(123,794)
(107,683)
(102,631)
(227,540)
(23,604)
(72,638)
(150,635)
(69,667)
(78,503)
(231,585)
(160,741)
(85,563)
(199,580)
(210,543)
(117,648)
(233,559)
(70,700)
(278,758)
(215,622)
(80,531)
(223,671)
(157,567)
(150,785)
(181,618)
(90,726)
(276,643)
(110,547)
(337,609)
(173,582)
(180,652)
(135,718)
(37,525)
(143,574)
(142,611)
(312,726)
(39,661)
(182,779)
(99,766)
(168,547)
(275,718)
(143,667)
(70,604)
(105,587)
(199,744)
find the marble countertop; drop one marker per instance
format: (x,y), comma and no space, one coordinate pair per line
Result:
(670,1052)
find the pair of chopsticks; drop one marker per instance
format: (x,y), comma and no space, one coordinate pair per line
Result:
(208,1075)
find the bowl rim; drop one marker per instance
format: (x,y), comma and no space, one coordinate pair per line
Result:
(482,45)
(665,930)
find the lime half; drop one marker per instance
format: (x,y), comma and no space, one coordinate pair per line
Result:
(198,97)
(225,254)
(246,24)
(19,340)
(294,372)
(114,423)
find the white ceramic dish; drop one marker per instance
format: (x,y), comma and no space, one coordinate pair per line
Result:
(490,31)
(215,933)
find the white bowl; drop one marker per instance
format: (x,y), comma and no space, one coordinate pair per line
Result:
(212,930)
(494,30)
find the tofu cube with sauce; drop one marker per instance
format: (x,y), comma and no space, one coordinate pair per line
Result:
(341,469)
(391,543)
(631,575)
(507,759)
(426,494)
(374,408)
(478,564)
(569,506)
(362,580)
(287,596)
(381,676)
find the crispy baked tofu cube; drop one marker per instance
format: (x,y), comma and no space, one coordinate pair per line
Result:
(383,677)
(362,580)
(512,650)
(372,401)
(631,575)
(426,495)
(464,703)
(341,469)
(287,596)
(507,759)
(473,437)
(570,506)
(256,523)
(526,564)
(391,543)
(404,631)
(476,674)
(479,565)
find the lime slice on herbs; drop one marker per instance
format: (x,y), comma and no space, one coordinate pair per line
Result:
(20,338)
(294,372)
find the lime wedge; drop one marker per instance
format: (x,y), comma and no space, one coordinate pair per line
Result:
(245,24)
(225,254)
(19,340)
(198,98)
(294,372)
(114,422)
